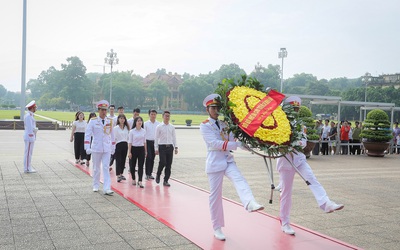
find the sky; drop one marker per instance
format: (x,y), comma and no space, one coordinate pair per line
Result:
(328,39)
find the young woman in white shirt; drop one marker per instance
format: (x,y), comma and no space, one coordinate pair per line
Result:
(78,137)
(121,132)
(137,149)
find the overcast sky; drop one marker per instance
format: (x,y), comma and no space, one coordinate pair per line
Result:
(341,38)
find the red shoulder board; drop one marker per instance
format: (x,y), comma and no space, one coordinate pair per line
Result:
(205,121)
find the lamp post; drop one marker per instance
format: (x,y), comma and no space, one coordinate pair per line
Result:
(366,79)
(111,59)
(23,68)
(282,54)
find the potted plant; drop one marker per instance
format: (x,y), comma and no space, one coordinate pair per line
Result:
(188,122)
(376,133)
(312,137)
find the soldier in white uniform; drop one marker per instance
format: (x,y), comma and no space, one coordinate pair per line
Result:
(286,173)
(220,163)
(103,145)
(30,130)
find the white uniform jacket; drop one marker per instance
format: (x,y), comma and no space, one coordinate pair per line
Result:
(103,135)
(296,158)
(219,143)
(29,127)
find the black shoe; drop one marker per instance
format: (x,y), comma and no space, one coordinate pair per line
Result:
(158,179)
(119,179)
(151,177)
(166,184)
(147,177)
(123,178)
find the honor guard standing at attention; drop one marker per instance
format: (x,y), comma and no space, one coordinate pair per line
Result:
(30,131)
(220,163)
(103,145)
(286,174)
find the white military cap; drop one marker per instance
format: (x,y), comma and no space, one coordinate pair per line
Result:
(103,104)
(31,104)
(295,101)
(211,101)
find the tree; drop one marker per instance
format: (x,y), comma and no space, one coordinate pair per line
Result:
(193,91)
(159,90)
(228,71)
(3,91)
(269,76)
(298,81)
(75,84)
(161,71)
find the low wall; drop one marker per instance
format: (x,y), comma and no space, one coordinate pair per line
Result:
(19,125)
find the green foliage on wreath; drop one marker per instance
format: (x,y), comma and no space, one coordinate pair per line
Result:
(377,127)
(272,150)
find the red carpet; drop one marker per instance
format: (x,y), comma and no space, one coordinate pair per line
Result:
(184,208)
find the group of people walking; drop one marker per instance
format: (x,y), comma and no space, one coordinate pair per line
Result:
(114,137)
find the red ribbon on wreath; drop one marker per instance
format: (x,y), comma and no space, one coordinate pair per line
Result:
(260,112)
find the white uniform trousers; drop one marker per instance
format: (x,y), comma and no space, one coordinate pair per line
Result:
(28,155)
(101,161)
(286,173)
(215,180)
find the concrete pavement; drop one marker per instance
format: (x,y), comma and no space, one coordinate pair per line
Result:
(56,208)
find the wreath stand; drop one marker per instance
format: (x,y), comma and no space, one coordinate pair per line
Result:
(270,170)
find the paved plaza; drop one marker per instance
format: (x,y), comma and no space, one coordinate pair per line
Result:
(56,208)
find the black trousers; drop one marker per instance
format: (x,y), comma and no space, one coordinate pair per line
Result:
(79,146)
(316,149)
(138,154)
(324,146)
(150,157)
(121,150)
(345,150)
(112,158)
(166,154)
(356,149)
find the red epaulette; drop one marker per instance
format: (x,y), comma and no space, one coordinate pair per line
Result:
(205,121)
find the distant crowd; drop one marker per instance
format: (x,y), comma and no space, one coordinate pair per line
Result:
(343,139)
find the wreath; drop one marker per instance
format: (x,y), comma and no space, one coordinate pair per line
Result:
(258,118)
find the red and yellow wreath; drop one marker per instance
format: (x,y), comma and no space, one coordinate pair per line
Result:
(259,118)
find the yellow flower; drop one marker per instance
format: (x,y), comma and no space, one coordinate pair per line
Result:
(274,129)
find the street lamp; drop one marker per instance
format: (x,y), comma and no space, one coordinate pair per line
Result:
(366,79)
(282,54)
(111,59)
(23,68)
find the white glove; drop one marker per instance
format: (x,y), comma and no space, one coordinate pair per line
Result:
(88,151)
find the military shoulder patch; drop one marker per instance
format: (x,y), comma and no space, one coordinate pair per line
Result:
(205,121)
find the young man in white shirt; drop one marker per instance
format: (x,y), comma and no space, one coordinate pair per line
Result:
(136,113)
(150,127)
(325,138)
(164,146)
